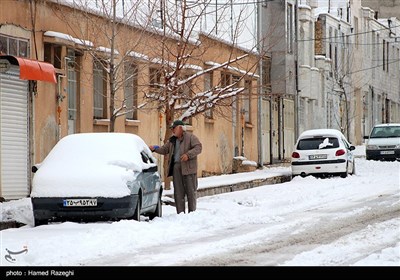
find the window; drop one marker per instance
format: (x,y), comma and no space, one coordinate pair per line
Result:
(52,54)
(301,111)
(208,85)
(266,76)
(384,55)
(23,49)
(342,51)
(290,33)
(225,79)
(130,91)
(186,94)
(335,55)
(247,101)
(387,56)
(155,79)
(356,32)
(373,53)
(329,113)
(330,43)
(73,91)
(14,46)
(317,143)
(99,90)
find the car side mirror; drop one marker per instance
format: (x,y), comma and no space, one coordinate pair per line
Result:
(352,148)
(366,137)
(34,169)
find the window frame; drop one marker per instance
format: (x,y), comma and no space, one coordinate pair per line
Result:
(99,77)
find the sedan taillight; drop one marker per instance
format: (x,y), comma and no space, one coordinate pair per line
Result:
(295,155)
(340,152)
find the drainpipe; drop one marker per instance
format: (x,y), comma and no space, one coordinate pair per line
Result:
(297,91)
(60,96)
(260,91)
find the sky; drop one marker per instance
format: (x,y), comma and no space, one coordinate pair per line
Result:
(349,221)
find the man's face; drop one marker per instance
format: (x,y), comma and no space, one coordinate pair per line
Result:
(177,131)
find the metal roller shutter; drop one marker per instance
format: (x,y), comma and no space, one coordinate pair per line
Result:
(14,135)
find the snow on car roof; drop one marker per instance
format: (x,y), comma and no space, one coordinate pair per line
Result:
(91,164)
(387,124)
(321,132)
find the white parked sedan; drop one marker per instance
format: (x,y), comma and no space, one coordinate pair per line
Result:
(322,152)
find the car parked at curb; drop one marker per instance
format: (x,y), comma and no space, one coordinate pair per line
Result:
(96,176)
(322,152)
(383,143)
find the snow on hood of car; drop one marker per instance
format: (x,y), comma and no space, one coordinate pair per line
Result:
(91,164)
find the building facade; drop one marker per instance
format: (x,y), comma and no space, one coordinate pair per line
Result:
(348,69)
(383,8)
(278,25)
(78,101)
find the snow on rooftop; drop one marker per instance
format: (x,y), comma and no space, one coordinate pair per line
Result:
(68,37)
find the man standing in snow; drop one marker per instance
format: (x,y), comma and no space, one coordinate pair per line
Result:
(183,148)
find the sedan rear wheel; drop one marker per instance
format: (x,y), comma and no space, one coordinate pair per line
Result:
(344,174)
(40,222)
(158,211)
(136,215)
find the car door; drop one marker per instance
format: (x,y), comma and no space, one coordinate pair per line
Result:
(150,183)
(350,155)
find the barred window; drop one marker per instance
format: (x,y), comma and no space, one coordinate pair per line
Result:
(99,90)
(130,91)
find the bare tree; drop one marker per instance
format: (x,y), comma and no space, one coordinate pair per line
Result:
(184,47)
(110,31)
(341,84)
(180,46)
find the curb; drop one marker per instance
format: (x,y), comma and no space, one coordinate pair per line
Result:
(209,191)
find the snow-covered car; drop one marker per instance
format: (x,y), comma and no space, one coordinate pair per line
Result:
(383,142)
(97,176)
(322,152)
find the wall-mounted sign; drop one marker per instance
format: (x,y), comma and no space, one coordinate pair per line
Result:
(4,65)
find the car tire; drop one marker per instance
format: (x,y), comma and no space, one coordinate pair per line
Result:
(39,222)
(158,211)
(344,174)
(136,214)
(353,172)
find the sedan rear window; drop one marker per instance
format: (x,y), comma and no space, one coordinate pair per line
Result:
(318,143)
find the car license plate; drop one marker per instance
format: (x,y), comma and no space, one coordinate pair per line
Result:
(387,152)
(318,156)
(88,202)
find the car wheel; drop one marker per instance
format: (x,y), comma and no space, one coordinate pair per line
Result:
(136,215)
(344,174)
(39,222)
(353,171)
(158,211)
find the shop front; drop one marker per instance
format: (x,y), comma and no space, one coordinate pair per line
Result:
(18,78)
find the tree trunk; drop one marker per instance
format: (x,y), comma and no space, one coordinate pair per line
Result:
(168,120)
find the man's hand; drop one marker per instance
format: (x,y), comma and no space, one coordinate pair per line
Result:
(184,157)
(153,148)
